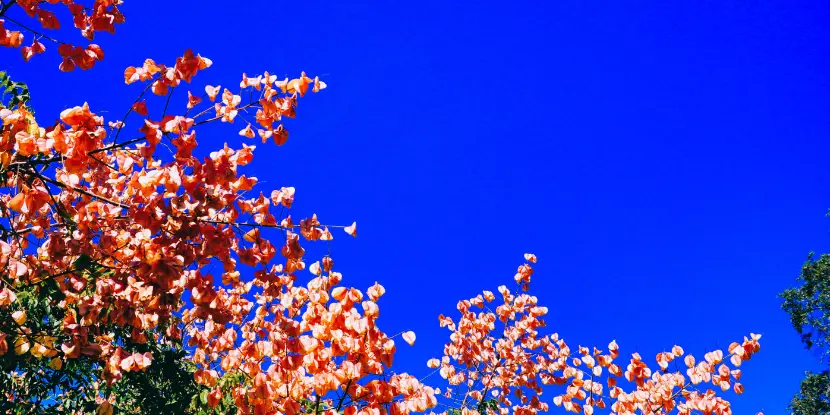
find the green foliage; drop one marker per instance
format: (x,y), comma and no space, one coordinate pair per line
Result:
(814,396)
(808,306)
(199,401)
(482,407)
(809,303)
(18,92)
(166,387)
(37,387)
(486,404)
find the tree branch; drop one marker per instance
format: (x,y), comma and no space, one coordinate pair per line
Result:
(83,192)
(6,7)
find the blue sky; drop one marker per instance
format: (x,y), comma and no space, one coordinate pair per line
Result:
(666,162)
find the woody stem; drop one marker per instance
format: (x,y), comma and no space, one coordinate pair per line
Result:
(6,7)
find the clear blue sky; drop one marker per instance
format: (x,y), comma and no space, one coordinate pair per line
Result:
(654,156)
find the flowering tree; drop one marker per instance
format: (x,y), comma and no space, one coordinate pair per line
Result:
(108,242)
(100,16)
(498,361)
(113,234)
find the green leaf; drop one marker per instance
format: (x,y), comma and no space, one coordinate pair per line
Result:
(82,262)
(814,396)
(203,397)
(807,306)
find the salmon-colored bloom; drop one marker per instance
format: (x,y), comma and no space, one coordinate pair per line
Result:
(409,337)
(140,108)
(351,229)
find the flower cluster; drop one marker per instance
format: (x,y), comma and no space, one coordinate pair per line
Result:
(89,19)
(510,366)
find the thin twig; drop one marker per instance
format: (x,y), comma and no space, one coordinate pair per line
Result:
(83,192)
(6,7)
(35,32)
(259,225)
(129,111)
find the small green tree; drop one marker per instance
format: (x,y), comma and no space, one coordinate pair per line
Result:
(808,306)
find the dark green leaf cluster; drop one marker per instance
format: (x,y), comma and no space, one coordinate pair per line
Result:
(814,396)
(808,306)
(36,387)
(17,93)
(31,383)
(199,401)
(166,387)
(809,303)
